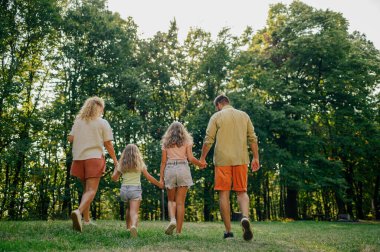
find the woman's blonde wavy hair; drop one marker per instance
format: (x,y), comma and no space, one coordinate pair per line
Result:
(91,109)
(131,160)
(176,136)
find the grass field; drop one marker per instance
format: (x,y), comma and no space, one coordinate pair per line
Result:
(112,236)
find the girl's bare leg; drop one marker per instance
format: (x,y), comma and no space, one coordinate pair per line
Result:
(180,203)
(172,203)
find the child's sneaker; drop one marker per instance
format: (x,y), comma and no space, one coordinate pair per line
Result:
(247,231)
(89,223)
(228,235)
(172,225)
(178,235)
(76,217)
(133,231)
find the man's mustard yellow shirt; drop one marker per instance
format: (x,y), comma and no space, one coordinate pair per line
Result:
(232,131)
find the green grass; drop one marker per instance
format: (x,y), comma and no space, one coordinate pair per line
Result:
(112,236)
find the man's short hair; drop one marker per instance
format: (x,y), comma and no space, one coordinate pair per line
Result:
(221,99)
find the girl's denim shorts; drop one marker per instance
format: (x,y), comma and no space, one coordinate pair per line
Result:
(130,192)
(177,173)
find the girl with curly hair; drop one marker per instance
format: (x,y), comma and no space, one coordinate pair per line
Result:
(176,152)
(89,134)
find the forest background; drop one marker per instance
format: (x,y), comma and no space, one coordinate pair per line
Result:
(310,87)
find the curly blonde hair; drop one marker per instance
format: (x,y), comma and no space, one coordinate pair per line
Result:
(176,136)
(91,109)
(131,160)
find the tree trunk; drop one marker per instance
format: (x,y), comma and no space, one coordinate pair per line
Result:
(44,201)
(326,207)
(350,190)
(12,205)
(291,208)
(340,203)
(359,201)
(258,209)
(66,205)
(6,188)
(22,198)
(208,197)
(266,198)
(376,198)
(52,190)
(282,201)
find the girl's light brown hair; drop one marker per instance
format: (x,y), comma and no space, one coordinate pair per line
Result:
(91,109)
(131,160)
(176,136)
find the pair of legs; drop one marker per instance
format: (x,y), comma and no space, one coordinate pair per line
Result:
(132,213)
(90,187)
(224,205)
(89,172)
(176,205)
(234,176)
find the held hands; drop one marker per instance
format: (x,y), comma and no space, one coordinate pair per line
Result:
(115,164)
(162,184)
(255,165)
(115,175)
(203,163)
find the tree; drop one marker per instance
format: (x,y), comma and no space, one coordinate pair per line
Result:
(27,29)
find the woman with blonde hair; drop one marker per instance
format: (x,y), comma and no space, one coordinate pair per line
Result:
(177,150)
(131,166)
(89,135)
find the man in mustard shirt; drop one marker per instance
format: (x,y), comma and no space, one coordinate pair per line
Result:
(232,131)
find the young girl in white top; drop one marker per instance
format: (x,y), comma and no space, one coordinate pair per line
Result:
(176,151)
(131,166)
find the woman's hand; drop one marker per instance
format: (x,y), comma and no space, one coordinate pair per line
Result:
(115,175)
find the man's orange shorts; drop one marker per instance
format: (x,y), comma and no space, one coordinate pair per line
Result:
(89,168)
(235,175)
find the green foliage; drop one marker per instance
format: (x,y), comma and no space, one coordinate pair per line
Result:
(309,86)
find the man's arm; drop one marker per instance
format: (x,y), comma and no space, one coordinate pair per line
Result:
(205,150)
(255,164)
(252,140)
(209,140)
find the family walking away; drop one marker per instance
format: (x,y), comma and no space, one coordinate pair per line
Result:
(231,131)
